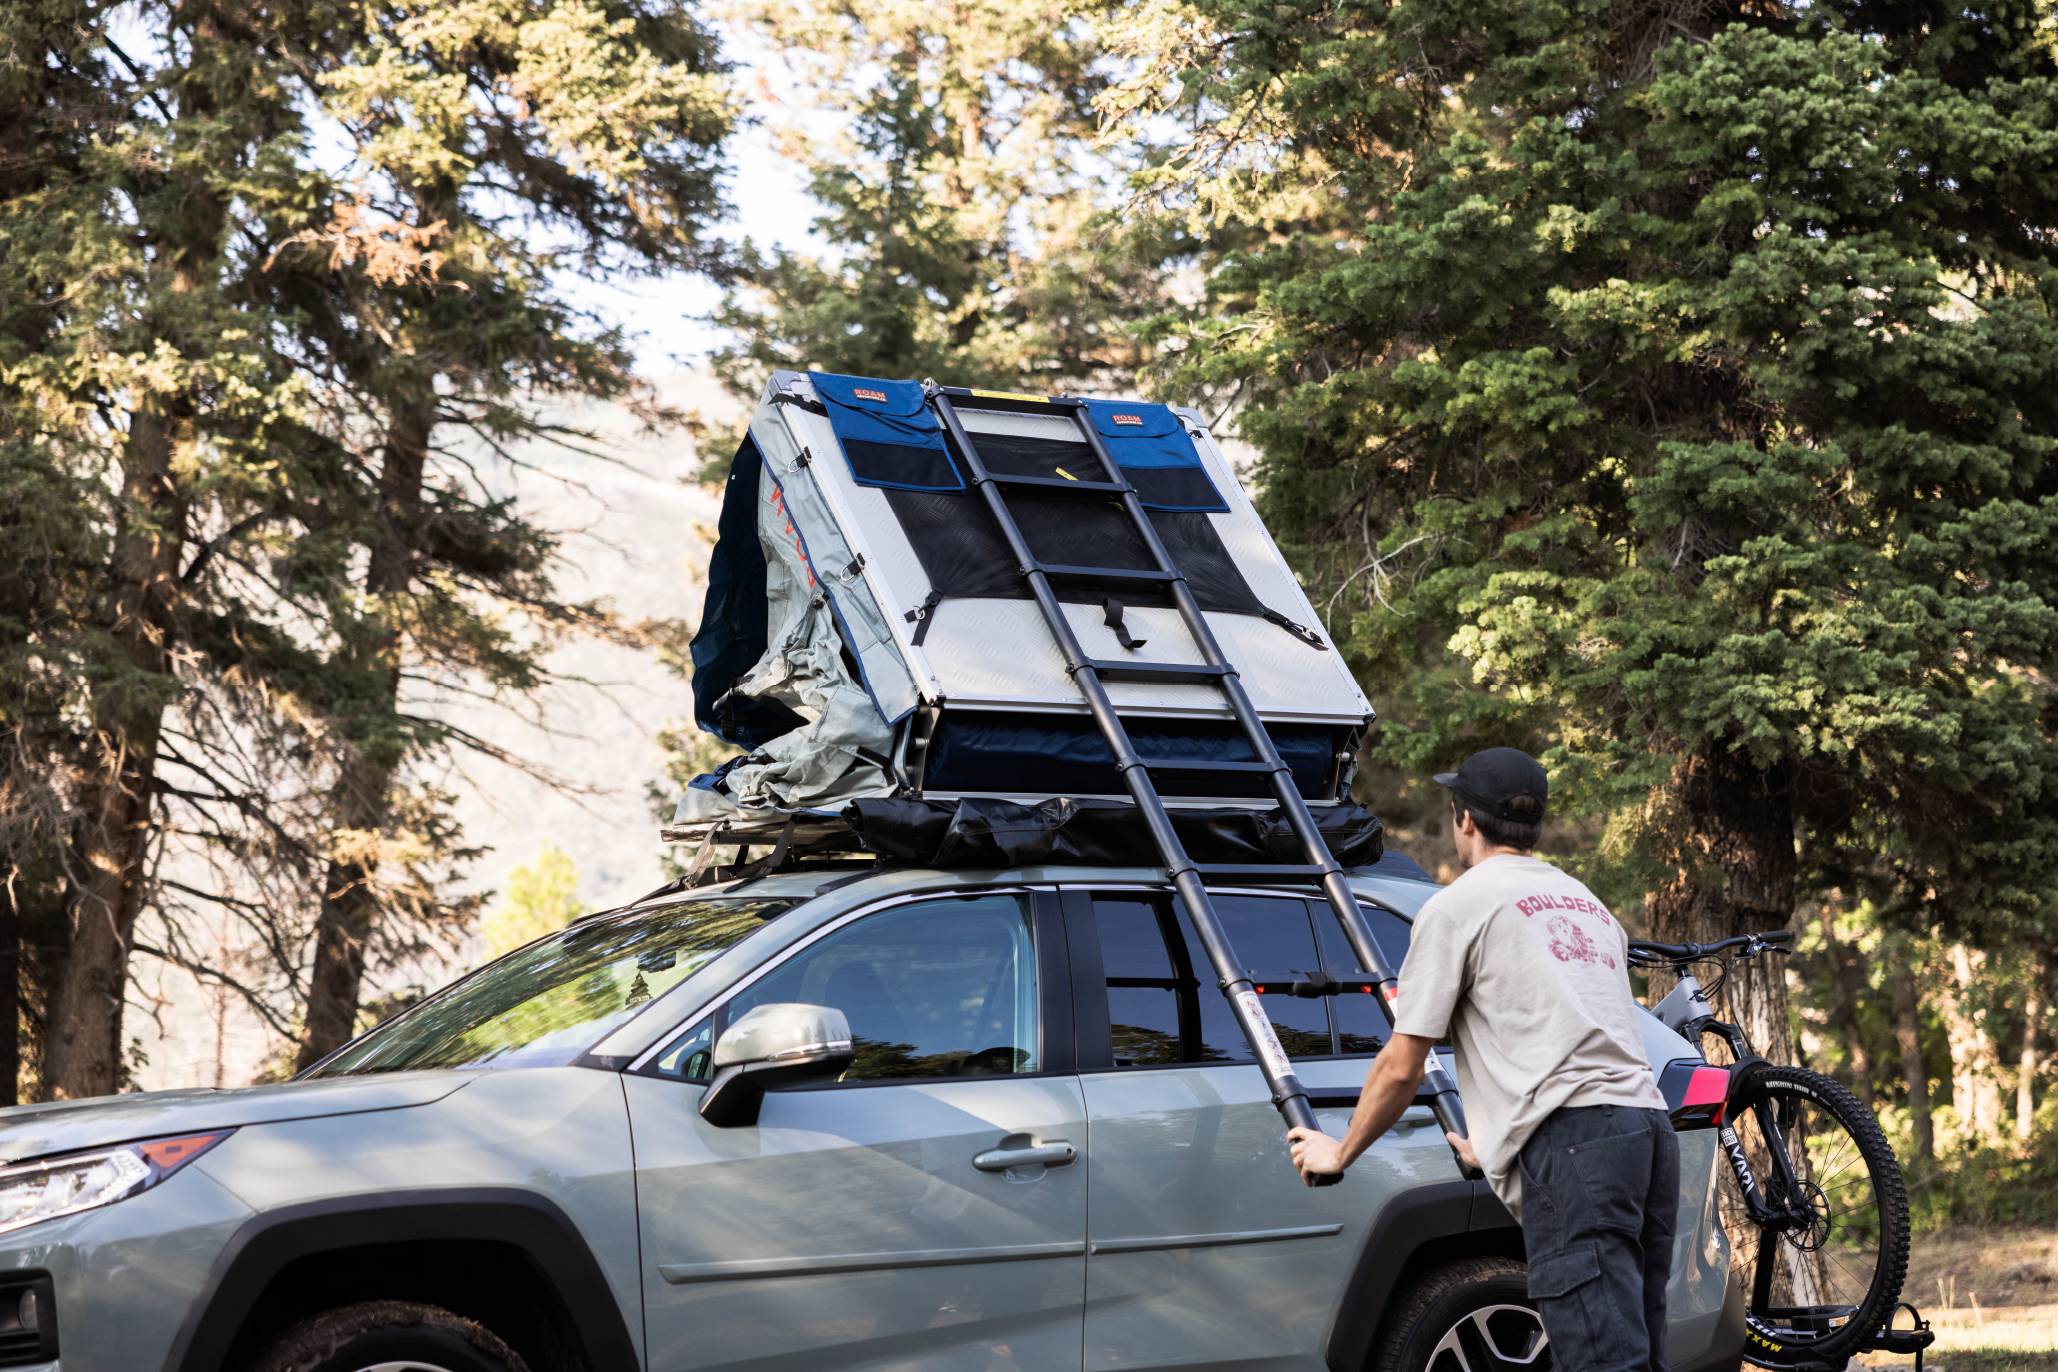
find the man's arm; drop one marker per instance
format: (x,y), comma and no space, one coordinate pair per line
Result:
(1389,1090)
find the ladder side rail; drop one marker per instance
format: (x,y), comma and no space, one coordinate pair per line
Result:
(1288,1094)
(1446,1105)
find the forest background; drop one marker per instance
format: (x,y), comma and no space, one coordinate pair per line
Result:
(1660,385)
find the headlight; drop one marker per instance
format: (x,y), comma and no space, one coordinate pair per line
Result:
(31,1192)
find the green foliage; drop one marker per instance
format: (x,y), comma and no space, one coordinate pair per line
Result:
(965,203)
(277,289)
(1653,399)
(541,898)
(1979,1184)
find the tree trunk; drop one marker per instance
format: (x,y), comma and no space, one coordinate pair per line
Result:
(1843,974)
(10,1003)
(110,841)
(1732,840)
(1908,1033)
(1975,1090)
(2026,1066)
(350,903)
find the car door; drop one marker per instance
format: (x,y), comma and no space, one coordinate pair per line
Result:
(1204,1246)
(857,1225)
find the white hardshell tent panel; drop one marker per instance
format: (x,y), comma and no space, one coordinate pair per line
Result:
(997,654)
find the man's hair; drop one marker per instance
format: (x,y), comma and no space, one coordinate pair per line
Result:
(1505,833)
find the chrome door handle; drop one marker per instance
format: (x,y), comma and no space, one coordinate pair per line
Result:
(1048,1154)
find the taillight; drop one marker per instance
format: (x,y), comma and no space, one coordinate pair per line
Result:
(1694,1092)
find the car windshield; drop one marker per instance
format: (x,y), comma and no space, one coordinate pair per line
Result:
(545,1004)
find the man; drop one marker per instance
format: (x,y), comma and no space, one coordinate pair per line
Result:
(1529,973)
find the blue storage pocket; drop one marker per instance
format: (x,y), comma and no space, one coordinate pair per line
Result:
(887,432)
(1155,454)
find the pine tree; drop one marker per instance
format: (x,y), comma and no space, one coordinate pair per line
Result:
(437,314)
(148,413)
(1673,389)
(965,203)
(221,375)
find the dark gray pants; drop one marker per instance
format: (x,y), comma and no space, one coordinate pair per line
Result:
(1600,1197)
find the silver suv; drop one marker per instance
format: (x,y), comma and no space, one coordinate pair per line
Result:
(1043,1148)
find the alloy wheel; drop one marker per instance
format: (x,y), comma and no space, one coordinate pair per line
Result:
(1494,1338)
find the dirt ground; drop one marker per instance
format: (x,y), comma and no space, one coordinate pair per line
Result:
(1991,1295)
(1952,1269)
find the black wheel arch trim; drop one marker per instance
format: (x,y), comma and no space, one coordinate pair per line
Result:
(1419,1215)
(267,1242)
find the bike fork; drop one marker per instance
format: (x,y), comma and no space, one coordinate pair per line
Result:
(1784,1176)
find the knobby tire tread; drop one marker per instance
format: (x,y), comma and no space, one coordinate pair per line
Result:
(1890,1192)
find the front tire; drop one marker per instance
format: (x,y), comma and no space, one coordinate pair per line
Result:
(1474,1315)
(1815,1293)
(389,1336)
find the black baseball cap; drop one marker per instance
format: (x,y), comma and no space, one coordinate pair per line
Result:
(1489,779)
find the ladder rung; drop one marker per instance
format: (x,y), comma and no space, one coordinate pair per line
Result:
(1184,672)
(1120,574)
(1053,485)
(1185,764)
(1238,871)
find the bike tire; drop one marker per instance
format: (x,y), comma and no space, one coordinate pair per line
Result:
(1815,1294)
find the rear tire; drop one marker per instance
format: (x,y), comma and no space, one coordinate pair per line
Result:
(1473,1315)
(391,1336)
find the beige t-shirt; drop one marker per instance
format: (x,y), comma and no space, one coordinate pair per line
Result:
(1530,974)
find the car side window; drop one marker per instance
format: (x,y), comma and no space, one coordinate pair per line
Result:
(1360,1025)
(943,988)
(1163,1005)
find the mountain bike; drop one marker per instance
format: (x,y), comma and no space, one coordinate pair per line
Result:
(1811,1198)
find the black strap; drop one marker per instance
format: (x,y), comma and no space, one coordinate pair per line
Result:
(811,406)
(770,863)
(921,616)
(1113,609)
(725,708)
(1299,631)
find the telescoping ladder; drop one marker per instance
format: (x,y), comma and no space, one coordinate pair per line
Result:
(1092,674)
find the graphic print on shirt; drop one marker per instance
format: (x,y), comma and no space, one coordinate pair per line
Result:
(1569,943)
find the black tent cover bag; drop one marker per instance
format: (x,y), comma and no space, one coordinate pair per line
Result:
(977,832)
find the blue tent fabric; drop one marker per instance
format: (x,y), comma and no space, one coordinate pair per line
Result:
(979,750)
(1156,454)
(733,623)
(887,432)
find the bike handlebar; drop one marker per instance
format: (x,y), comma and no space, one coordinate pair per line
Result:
(1682,952)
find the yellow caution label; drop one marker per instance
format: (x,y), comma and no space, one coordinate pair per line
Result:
(1065,474)
(1010,395)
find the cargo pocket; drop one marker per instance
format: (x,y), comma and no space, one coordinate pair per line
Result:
(1565,1287)
(1615,1173)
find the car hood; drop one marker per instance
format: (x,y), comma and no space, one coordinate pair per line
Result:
(34,1131)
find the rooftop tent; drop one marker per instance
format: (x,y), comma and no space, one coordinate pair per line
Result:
(868,632)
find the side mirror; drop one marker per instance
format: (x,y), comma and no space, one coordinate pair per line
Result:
(772,1046)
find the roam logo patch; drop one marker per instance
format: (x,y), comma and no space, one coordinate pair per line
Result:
(1127,418)
(862,394)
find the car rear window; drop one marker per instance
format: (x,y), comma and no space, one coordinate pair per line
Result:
(1162,1003)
